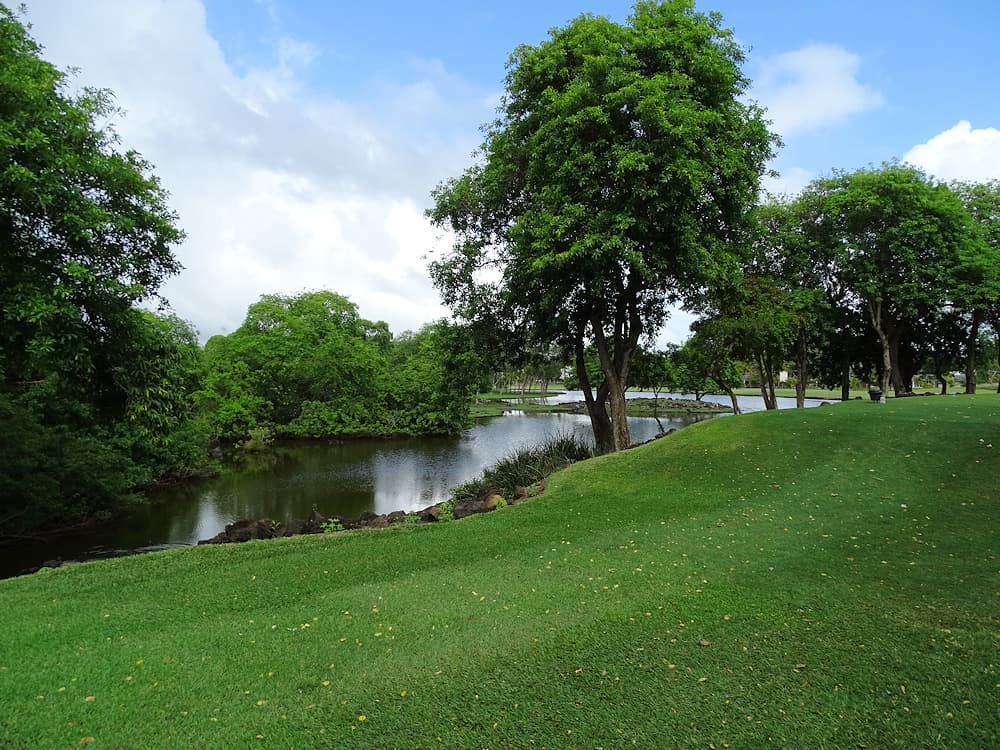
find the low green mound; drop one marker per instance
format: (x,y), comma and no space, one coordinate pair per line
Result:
(825,578)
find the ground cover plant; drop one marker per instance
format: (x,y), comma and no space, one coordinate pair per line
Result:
(524,468)
(823,578)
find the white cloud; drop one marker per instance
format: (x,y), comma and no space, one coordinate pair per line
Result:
(960,153)
(812,88)
(677,329)
(279,189)
(788,182)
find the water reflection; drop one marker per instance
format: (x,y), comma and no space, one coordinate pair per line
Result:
(337,478)
(747,403)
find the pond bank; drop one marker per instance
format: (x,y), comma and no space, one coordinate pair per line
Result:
(635,407)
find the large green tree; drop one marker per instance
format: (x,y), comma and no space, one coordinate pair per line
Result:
(980,279)
(899,243)
(617,177)
(94,392)
(309,365)
(85,230)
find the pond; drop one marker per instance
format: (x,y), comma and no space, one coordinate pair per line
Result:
(345,478)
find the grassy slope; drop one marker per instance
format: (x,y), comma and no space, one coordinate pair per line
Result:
(843,563)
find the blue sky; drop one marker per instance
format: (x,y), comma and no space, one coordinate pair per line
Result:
(300,139)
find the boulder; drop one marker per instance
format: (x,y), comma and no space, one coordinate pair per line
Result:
(397,516)
(243,531)
(431,514)
(469,508)
(495,501)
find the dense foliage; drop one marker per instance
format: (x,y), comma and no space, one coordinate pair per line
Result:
(311,366)
(881,273)
(94,393)
(617,176)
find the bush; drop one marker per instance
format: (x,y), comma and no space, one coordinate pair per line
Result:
(56,473)
(524,467)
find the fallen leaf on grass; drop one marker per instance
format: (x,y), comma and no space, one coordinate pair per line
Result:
(86,740)
(89,699)
(703,642)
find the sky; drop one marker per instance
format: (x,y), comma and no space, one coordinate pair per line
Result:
(300,140)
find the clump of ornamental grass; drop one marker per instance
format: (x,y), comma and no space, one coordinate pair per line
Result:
(524,467)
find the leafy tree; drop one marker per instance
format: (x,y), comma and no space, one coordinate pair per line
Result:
(310,356)
(310,366)
(711,354)
(616,177)
(980,278)
(650,369)
(85,231)
(94,393)
(434,374)
(895,240)
(688,374)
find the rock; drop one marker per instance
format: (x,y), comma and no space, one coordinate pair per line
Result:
(469,508)
(314,524)
(397,516)
(243,531)
(495,501)
(520,493)
(431,514)
(292,528)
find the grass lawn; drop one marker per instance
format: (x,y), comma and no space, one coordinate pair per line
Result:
(825,578)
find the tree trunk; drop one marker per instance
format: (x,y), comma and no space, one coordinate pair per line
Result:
(732,396)
(875,314)
(899,385)
(845,375)
(615,367)
(656,409)
(762,379)
(766,369)
(600,423)
(944,383)
(971,344)
(802,363)
(619,416)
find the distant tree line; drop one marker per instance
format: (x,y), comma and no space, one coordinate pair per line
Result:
(622,175)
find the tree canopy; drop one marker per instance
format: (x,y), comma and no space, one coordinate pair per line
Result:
(85,230)
(309,365)
(94,392)
(898,243)
(617,176)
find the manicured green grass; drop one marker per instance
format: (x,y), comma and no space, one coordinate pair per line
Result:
(840,564)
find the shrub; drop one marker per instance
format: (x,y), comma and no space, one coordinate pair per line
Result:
(524,467)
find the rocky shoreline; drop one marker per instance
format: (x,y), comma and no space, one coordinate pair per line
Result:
(248,529)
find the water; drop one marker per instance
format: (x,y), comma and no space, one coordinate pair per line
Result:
(747,403)
(337,478)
